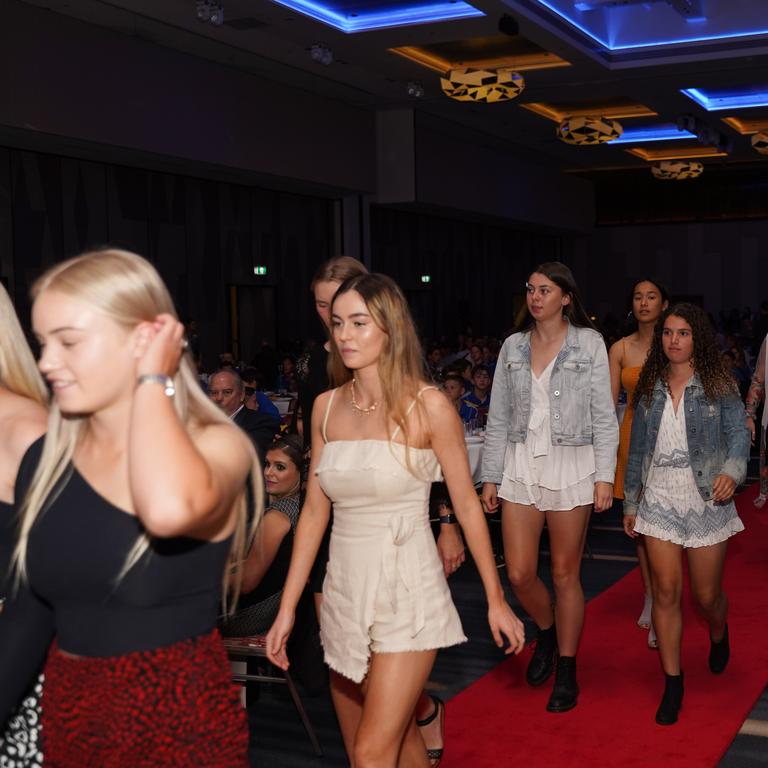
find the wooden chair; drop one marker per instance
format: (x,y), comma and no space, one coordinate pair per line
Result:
(242,648)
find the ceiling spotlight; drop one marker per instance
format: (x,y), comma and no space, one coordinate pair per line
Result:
(508,25)
(415,90)
(322,54)
(203,8)
(210,10)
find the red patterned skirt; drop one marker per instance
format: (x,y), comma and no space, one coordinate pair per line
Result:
(173,706)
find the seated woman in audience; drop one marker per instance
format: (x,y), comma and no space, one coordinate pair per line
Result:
(23,402)
(687,453)
(267,563)
(286,380)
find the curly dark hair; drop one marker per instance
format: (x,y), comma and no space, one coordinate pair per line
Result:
(707,360)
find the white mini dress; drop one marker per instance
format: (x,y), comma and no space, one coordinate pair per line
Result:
(672,508)
(550,477)
(384,590)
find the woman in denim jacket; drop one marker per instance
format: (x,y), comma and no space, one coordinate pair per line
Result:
(551,445)
(688,452)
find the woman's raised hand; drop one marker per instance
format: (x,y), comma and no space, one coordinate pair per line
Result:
(160,345)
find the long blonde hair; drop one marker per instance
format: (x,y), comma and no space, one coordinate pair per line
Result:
(401,365)
(18,372)
(129,290)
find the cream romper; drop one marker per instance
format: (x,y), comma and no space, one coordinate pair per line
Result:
(384,591)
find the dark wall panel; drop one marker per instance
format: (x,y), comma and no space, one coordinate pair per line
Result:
(203,236)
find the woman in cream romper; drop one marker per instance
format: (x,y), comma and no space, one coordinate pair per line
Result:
(378,441)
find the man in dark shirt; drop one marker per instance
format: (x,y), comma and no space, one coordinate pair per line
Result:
(226,389)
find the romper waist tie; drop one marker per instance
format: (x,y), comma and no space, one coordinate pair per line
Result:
(401,560)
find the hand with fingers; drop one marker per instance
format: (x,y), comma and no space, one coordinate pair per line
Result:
(450,547)
(160,346)
(490,498)
(723,488)
(504,623)
(629,526)
(277,639)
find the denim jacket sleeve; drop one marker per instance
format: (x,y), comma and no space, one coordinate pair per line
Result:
(638,446)
(736,434)
(497,425)
(605,425)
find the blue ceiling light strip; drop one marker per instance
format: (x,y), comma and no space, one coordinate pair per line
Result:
(716,101)
(646,134)
(604,27)
(416,13)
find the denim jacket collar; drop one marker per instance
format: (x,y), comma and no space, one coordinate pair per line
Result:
(571,342)
(660,386)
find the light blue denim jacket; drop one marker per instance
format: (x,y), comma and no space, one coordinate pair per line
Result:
(718,440)
(580,402)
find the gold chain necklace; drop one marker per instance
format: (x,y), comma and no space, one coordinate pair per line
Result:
(358,409)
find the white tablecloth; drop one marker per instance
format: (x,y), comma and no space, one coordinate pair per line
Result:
(475,454)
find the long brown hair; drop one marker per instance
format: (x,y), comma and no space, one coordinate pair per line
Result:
(401,365)
(707,361)
(563,278)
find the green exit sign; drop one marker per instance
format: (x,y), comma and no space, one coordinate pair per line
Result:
(260,270)
(426,278)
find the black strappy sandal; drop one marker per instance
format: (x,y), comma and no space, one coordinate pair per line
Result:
(435,755)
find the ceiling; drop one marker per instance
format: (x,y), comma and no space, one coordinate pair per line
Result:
(650,64)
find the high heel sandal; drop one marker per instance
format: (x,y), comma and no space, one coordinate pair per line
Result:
(435,755)
(644,620)
(653,642)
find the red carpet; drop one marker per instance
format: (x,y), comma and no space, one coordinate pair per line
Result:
(500,721)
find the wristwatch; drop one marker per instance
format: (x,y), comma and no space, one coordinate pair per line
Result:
(158,378)
(449,519)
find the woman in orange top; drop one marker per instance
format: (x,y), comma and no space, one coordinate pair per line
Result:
(626,358)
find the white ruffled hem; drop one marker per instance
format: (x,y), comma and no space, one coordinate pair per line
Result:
(579,494)
(730,528)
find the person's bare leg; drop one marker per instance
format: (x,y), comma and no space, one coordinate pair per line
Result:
(645,572)
(521,529)
(387,736)
(567,533)
(667,577)
(705,566)
(348,703)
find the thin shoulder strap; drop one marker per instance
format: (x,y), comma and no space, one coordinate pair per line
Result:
(327,411)
(624,351)
(411,407)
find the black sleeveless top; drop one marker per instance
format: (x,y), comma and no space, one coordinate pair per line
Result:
(77,549)
(7,541)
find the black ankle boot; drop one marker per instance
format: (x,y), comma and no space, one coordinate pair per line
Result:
(719,653)
(543,662)
(565,691)
(670,705)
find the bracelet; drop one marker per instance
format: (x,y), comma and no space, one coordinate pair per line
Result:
(449,519)
(158,378)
